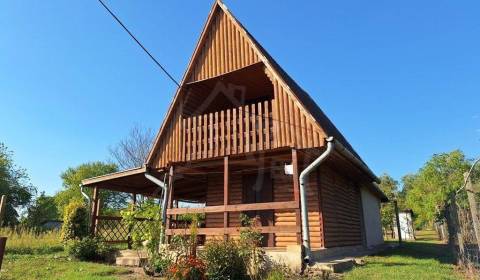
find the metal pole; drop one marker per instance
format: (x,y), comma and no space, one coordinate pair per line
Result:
(397,216)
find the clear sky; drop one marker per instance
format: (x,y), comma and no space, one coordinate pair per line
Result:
(400,79)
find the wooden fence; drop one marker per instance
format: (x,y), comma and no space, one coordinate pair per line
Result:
(112,230)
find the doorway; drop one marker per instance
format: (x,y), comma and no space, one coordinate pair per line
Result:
(258,188)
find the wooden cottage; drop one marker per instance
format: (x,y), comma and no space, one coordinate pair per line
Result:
(236,138)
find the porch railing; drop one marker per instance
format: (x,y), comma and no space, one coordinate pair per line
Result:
(239,130)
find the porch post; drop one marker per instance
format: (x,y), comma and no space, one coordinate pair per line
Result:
(225,194)
(94,212)
(169,200)
(134,200)
(296,194)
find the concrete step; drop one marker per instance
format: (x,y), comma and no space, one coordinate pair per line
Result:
(335,266)
(130,261)
(132,253)
(133,258)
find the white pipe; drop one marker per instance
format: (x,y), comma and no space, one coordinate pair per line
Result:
(303,196)
(84,194)
(164,187)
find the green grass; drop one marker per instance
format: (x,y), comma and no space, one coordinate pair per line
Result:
(27,241)
(30,255)
(49,267)
(425,258)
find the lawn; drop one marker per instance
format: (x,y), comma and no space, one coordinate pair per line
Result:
(41,257)
(425,258)
(57,266)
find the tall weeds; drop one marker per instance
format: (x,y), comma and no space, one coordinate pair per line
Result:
(26,241)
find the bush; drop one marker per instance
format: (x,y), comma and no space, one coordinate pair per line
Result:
(189,268)
(75,222)
(158,264)
(250,248)
(224,261)
(88,249)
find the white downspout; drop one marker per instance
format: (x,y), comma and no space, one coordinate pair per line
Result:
(164,187)
(84,194)
(303,196)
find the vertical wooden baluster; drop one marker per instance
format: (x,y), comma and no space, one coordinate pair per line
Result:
(216,143)
(194,140)
(253,117)
(222,134)
(189,138)
(267,124)
(210,128)
(247,129)
(229,135)
(240,127)
(260,126)
(205,136)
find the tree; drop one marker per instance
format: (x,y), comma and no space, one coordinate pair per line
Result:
(429,190)
(15,184)
(390,188)
(72,179)
(132,151)
(41,210)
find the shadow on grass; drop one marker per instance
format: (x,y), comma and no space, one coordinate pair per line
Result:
(422,250)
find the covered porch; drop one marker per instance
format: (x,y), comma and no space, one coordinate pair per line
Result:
(256,184)
(218,190)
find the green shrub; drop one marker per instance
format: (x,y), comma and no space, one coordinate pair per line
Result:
(223,261)
(250,248)
(187,268)
(88,249)
(75,222)
(158,264)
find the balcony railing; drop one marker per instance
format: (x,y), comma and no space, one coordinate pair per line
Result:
(239,130)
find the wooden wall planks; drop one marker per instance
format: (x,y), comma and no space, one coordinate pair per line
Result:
(224,49)
(341,209)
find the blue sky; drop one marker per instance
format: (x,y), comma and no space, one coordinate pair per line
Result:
(400,79)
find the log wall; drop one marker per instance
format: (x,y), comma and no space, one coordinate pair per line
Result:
(283,191)
(340,199)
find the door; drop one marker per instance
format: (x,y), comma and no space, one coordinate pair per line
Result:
(258,188)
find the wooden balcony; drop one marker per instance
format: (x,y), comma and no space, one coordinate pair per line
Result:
(228,132)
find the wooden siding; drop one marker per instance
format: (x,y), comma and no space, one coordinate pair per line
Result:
(283,191)
(293,125)
(171,144)
(225,48)
(214,198)
(341,209)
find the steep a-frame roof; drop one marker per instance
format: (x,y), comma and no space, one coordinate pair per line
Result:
(240,40)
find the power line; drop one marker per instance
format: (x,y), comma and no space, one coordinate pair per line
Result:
(171,77)
(140,44)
